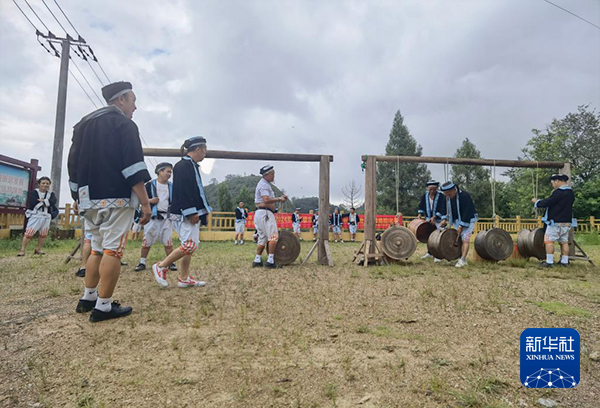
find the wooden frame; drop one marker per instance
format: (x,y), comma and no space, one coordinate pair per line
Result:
(369,249)
(324,252)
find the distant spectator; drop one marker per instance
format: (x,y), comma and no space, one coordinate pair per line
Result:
(40,208)
(241,214)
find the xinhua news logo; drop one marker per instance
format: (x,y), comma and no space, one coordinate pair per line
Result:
(550,358)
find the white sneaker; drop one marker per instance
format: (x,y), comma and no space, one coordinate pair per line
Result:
(437,260)
(160,275)
(189,282)
(427,255)
(342,241)
(242,243)
(461,263)
(236,242)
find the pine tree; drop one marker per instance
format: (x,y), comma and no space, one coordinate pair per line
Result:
(474,179)
(225,200)
(247,198)
(412,177)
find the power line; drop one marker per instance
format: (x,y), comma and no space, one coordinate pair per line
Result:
(86,80)
(80,42)
(103,70)
(61,26)
(94,71)
(63,13)
(573,14)
(89,48)
(38,17)
(83,89)
(25,15)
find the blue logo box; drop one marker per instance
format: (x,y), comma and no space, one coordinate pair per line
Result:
(550,358)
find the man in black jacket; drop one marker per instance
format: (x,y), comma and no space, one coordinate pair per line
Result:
(433,208)
(189,210)
(461,215)
(558,219)
(241,214)
(106,176)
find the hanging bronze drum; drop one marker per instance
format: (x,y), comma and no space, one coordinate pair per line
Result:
(288,248)
(494,244)
(422,229)
(445,244)
(531,243)
(398,243)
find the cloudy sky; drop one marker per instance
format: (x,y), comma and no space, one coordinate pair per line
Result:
(308,76)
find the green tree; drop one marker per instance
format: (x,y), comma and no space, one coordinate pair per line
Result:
(474,179)
(412,177)
(225,200)
(246,197)
(574,139)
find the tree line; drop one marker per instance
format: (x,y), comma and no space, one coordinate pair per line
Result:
(574,139)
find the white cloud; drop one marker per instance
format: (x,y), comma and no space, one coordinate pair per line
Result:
(311,76)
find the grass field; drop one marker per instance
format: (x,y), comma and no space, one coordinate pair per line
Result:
(412,335)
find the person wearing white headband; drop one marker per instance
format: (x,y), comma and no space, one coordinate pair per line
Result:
(461,215)
(264,217)
(296,223)
(160,191)
(106,177)
(558,219)
(189,210)
(241,214)
(41,203)
(432,208)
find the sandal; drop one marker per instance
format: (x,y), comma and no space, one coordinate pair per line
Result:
(21,253)
(36,252)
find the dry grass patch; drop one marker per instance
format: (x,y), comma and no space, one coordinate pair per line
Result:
(413,335)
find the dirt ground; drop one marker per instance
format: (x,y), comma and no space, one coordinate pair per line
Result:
(413,335)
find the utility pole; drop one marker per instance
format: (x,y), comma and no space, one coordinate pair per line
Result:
(61,112)
(61,103)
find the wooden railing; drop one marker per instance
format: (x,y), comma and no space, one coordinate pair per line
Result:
(225,221)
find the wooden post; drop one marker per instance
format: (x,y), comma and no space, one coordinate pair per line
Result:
(592,224)
(67,223)
(566,170)
(370,198)
(370,207)
(518,223)
(323,252)
(209,221)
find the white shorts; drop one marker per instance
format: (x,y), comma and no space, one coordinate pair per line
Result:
(109,228)
(189,234)
(337,229)
(557,233)
(315,229)
(266,226)
(353,228)
(240,227)
(137,227)
(87,238)
(296,227)
(38,222)
(158,230)
(466,232)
